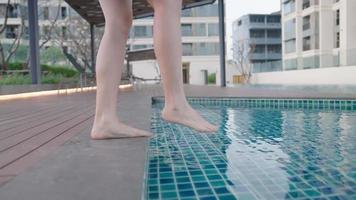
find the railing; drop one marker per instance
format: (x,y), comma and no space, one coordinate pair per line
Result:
(337,58)
(267,67)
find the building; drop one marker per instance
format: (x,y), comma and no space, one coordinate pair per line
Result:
(318,33)
(261,33)
(48,11)
(200,37)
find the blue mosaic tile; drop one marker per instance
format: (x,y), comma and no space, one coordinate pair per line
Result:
(264,149)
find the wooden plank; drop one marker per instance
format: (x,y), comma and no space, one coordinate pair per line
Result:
(13,128)
(25,134)
(40,153)
(13,154)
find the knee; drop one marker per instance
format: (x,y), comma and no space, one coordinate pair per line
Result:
(119,23)
(166,4)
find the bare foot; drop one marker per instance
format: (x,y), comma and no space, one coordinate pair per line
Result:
(115,130)
(189,117)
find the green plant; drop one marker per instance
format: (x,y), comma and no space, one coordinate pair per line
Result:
(51,79)
(212,78)
(60,70)
(15,79)
(16,66)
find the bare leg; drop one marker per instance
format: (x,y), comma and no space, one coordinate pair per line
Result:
(110,58)
(168,49)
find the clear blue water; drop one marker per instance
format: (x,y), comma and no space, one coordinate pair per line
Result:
(258,153)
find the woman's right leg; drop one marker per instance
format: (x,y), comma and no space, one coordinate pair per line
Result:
(110,59)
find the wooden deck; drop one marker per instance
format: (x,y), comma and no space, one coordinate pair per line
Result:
(32,128)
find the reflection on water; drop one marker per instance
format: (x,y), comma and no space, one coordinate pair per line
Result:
(257,154)
(292,154)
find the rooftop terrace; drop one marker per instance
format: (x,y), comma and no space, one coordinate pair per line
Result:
(46,152)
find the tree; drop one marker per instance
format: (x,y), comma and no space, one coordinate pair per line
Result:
(244,50)
(7,53)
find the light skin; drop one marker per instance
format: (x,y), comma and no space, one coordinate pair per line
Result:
(110,59)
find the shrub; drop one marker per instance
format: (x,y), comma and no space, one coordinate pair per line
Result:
(16,66)
(15,79)
(59,70)
(51,79)
(212,78)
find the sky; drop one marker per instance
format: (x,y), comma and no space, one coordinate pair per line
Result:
(238,8)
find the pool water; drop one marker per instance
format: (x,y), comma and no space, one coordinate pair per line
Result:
(261,151)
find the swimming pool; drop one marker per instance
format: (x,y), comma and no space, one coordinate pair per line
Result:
(264,149)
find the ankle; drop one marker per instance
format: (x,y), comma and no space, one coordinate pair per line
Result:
(105,119)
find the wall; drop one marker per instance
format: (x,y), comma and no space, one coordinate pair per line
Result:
(322,76)
(147,69)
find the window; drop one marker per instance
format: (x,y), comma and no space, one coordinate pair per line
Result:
(11,32)
(337,41)
(13,11)
(288,6)
(337,17)
(257,33)
(306,43)
(274,33)
(260,49)
(187,30)
(274,48)
(306,23)
(213,29)
(257,19)
(142,31)
(306,4)
(290,64)
(187,49)
(289,29)
(274,19)
(64,12)
(289,46)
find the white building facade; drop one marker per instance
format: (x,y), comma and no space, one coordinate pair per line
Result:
(318,33)
(200,37)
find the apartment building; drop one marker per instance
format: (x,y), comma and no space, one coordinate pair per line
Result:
(200,37)
(48,12)
(318,33)
(263,33)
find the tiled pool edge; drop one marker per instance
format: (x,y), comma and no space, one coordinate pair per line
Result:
(286,103)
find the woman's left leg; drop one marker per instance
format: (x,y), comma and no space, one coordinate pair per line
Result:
(168,49)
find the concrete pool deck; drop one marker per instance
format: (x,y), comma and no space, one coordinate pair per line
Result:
(36,164)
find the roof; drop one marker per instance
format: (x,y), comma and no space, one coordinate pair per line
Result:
(91,11)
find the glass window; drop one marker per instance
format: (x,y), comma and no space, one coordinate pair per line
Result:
(64,12)
(337,17)
(289,46)
(213,29)
(187,49)
(289,29)
(337,43)
(257,33)
(288,6)
(290,64)
(306,23)
(274,48)
(260,49)
(142,31)
(274,33)
(306,4)
(187,30)
(306,43)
